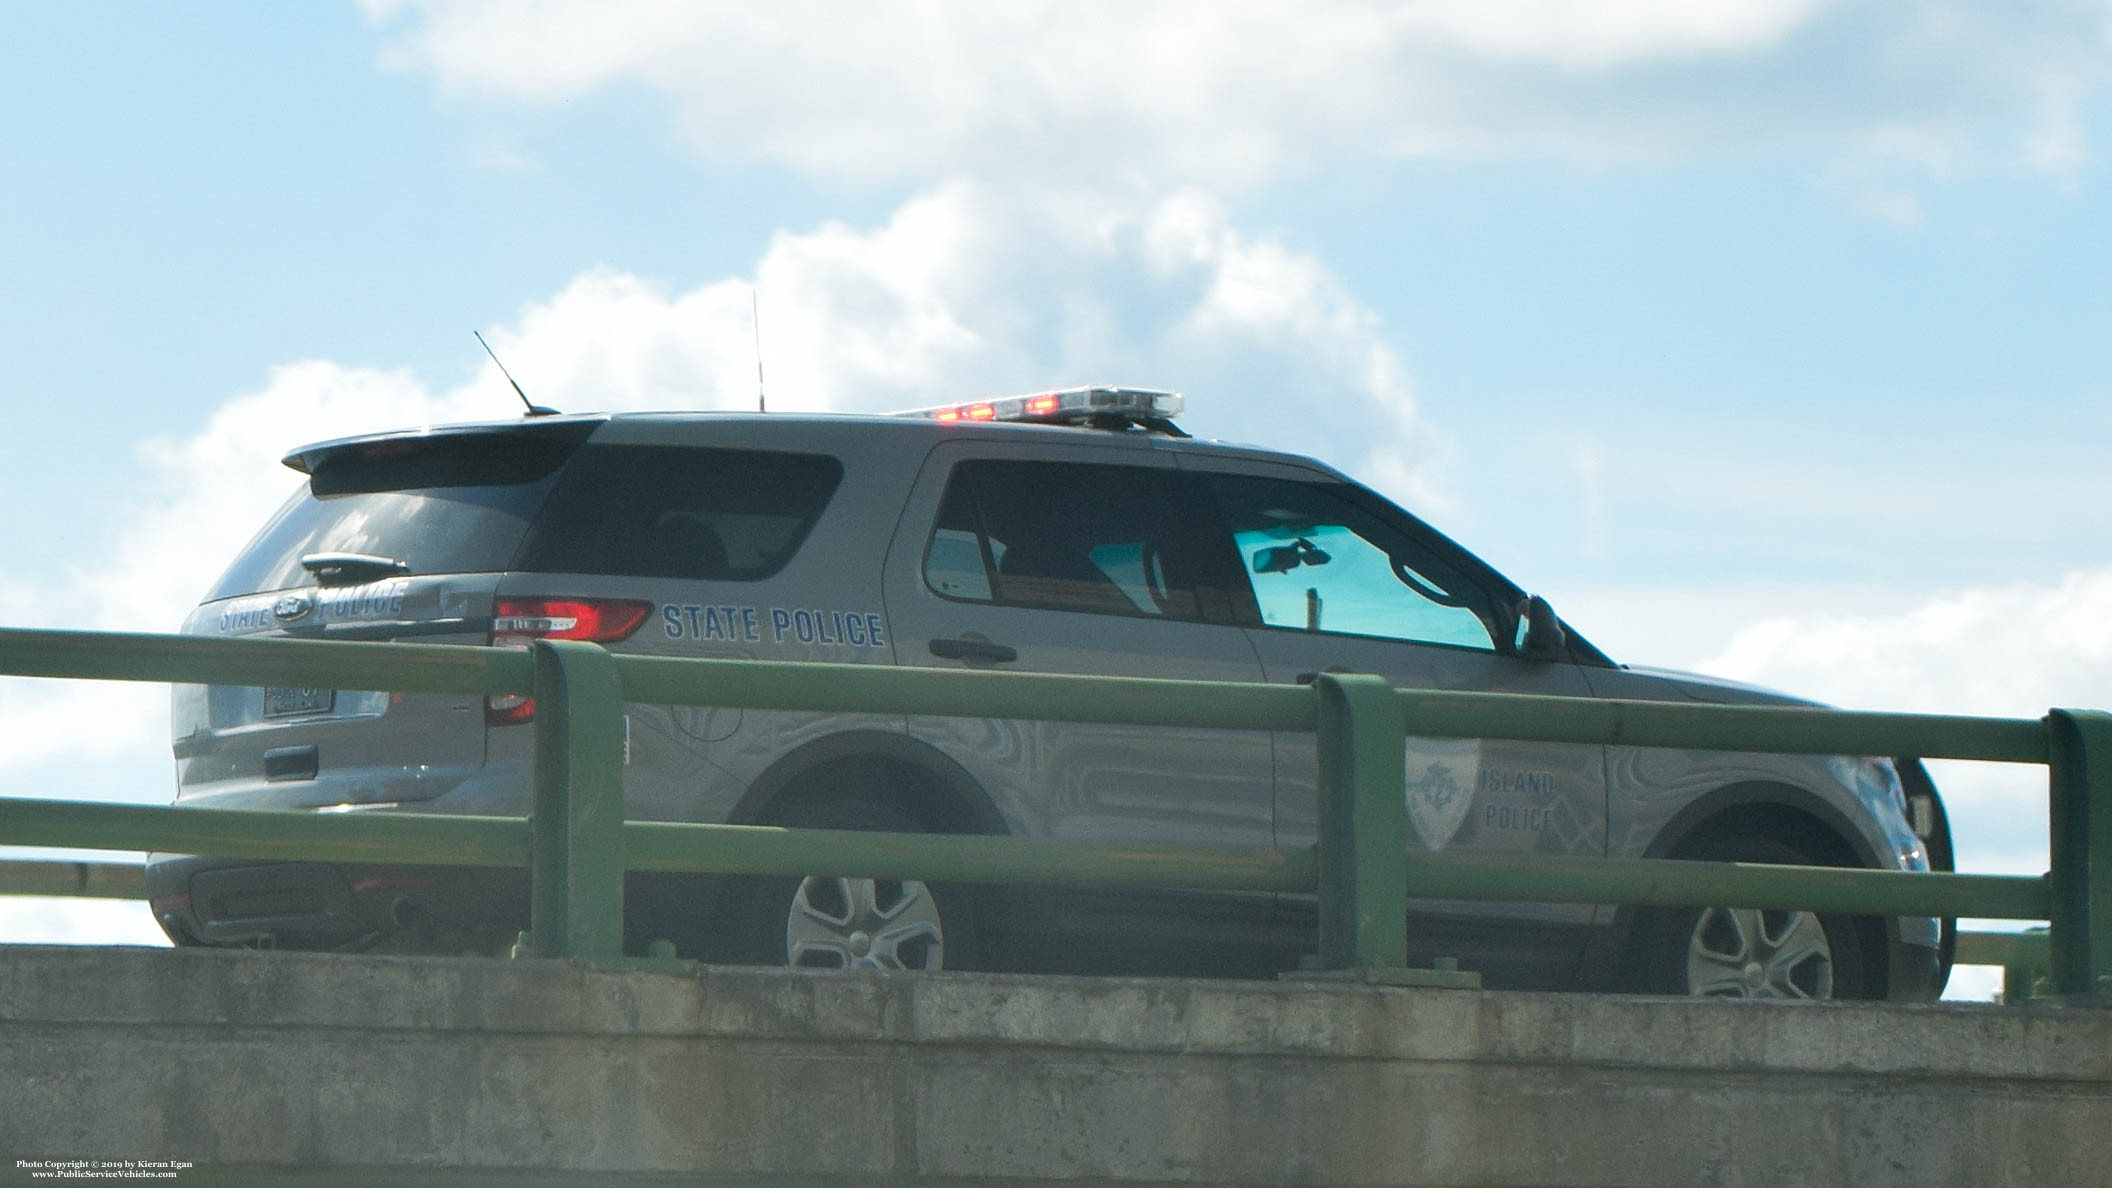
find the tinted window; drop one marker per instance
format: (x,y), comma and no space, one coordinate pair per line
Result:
(679,512)
(1108,539)
(442,504)
(1317,562)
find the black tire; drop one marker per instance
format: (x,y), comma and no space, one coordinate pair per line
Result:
(1716,952)
(823,922)
(1942,857)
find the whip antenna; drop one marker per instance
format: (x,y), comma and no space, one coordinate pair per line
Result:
(534,410)
(755,314)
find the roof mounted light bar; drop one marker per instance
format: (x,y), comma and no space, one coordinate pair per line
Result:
(1099,408)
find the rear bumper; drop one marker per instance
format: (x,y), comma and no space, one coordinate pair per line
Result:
(201,900)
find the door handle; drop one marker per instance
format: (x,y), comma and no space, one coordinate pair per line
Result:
(973,649)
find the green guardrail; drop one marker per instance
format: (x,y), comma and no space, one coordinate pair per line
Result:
(2021,955)
(576,843)
(75,880)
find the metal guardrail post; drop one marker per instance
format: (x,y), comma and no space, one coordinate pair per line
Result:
(576,856)
(1363,824)
(2022,956)
(2079,768)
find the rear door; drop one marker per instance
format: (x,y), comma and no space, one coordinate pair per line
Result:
(1045,557)
(1343,582)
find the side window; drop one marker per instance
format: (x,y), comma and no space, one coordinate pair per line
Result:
(1119,540)
(679,512)
(1318,562)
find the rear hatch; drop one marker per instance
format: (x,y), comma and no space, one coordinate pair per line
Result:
(400,537)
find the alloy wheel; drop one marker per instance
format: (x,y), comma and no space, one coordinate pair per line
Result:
(838,923)
(1748,953)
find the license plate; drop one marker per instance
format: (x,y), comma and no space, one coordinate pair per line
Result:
(292,703)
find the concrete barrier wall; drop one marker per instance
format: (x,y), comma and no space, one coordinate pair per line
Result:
(277,1068)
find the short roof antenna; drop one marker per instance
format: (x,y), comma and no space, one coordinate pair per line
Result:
(534,410)
(755,314)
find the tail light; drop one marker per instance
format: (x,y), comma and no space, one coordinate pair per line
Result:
(517,622)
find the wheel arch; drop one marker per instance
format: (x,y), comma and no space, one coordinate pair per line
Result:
(1792,815)
(901,773)
(911,776)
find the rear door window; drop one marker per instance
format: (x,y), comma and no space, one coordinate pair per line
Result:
(679,512)
(1118,540)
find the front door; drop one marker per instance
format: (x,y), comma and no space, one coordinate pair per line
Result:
(1343,582)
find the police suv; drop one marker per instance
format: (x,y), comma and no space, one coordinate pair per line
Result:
(1076,531)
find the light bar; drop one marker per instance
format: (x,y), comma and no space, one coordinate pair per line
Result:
(1071,406)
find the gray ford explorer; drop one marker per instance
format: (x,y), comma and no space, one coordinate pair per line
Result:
(1072,532)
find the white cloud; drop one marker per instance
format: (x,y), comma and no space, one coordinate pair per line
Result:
(1186,92)
(2005,650)
(948,61)
(1601,36)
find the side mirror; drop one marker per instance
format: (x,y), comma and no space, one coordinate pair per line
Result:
(1539,635)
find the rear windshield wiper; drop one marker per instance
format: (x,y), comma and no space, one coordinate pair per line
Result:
(350,569)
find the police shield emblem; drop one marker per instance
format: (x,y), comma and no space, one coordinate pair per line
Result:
(1442,774)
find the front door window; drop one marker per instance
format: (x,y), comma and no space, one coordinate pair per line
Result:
(1319,563)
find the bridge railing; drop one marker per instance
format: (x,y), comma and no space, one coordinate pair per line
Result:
(576,843)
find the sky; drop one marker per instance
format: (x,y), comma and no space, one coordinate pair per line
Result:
(1762,337)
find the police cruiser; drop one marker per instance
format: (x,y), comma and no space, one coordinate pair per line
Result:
(1075,531)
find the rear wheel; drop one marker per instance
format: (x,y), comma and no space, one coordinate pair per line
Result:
(838,923)
(1747,952)
(834,922)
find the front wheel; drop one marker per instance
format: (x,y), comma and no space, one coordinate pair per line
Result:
(833,922)
(1747,952)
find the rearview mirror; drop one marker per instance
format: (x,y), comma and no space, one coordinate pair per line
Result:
(1285,558)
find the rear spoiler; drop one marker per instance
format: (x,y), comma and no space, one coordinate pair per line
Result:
(574,428)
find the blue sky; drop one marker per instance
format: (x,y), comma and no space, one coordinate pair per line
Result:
(1765,336)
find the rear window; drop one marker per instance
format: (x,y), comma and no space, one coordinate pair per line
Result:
(679,512)
(443,504)
(496,502)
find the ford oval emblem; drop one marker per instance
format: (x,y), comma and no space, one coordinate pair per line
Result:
(292,606)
